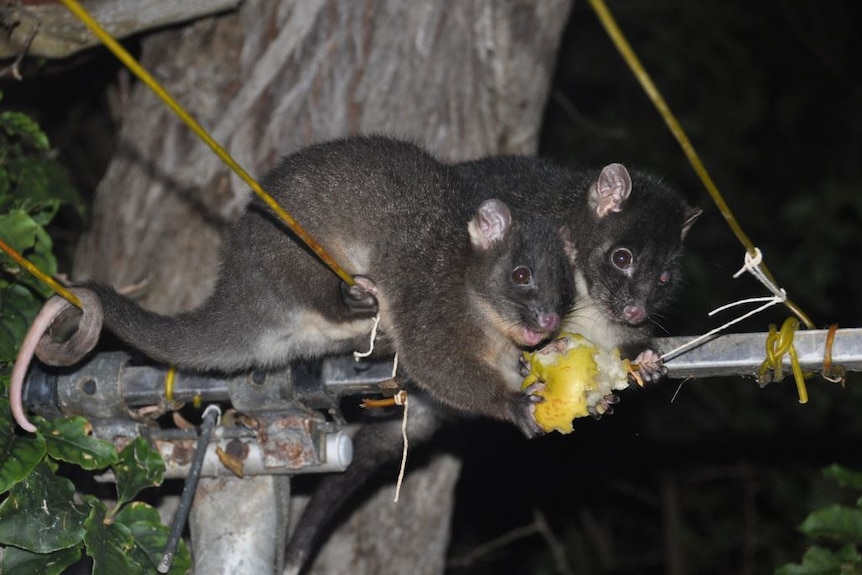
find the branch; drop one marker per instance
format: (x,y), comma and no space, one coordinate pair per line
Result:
(51,31)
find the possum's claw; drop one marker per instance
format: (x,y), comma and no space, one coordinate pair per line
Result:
(604,407)
(361,297)
(524,366)
(523,407)
(650,367)
(557,345)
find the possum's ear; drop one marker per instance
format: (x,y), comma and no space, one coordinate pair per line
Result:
(610,190)
(491,224)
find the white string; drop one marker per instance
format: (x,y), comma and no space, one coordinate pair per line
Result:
(696,341)
(401,399)
(751,265)
(357,355)
(740,302)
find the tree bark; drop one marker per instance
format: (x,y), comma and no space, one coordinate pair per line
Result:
(45,29)
(465,79)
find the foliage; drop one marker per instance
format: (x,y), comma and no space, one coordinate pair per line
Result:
(840,526)
(32,189)
(44,525)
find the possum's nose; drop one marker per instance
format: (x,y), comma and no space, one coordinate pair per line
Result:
(634,314)
(548,321)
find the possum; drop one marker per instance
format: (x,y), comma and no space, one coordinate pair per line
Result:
(460,281)
(627,230)
(626,233)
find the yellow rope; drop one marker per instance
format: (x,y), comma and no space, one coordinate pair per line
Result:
(147,79)
(779,343)
(170,378)
(45,278)
(658,101)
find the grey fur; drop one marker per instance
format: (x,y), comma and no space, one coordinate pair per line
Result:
(648,219)
(384,209)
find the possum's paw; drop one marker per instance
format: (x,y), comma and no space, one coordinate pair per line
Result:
(523,366)
(361,297)
(522,409)
(557,345)
(650,366)
(604,407)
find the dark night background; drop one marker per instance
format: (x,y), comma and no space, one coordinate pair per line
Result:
(717,480)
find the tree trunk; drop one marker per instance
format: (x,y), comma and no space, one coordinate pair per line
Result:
(465,79)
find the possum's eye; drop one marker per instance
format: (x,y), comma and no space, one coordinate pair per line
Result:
(622,258)
(522,275)
(664,278)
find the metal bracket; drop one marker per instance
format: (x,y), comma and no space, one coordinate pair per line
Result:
(291,420)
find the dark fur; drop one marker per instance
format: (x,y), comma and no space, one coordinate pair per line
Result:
(387,210)
(651,223)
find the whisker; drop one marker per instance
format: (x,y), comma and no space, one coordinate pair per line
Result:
(658,325)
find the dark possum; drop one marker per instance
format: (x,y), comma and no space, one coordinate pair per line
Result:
(461,282)
(627,231)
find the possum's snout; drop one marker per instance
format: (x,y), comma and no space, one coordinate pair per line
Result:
(634,314)
(548,321)
(544,324)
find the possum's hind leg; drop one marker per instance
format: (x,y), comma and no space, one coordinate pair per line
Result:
(361,297)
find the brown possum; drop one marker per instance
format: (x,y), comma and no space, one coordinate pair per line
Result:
(461,281)
(627,231)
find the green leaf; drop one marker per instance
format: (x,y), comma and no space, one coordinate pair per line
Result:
(18,307)
(844,477)
(843,524)
(140,466)
(821,561)
(40,515)
(151,536)
(816,561)
(21,232)
(849,554)
(21,562)
(110,544)
(18,230)
(68,439)
(18,125)
(28,238)
(20,453)
(4,187)
(46,186)
(42,256)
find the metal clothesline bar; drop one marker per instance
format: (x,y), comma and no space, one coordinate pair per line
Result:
(742,353)
(122,385)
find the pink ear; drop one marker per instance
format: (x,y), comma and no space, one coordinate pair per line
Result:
(490,224)
(610,190)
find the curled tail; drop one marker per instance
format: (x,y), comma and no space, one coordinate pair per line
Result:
(191,340)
